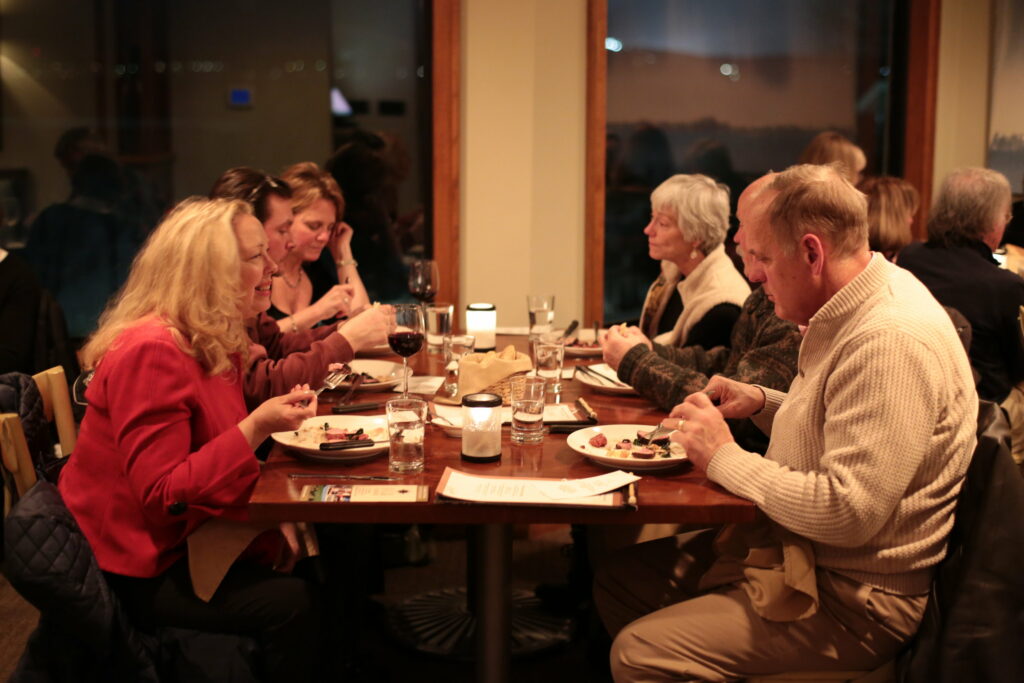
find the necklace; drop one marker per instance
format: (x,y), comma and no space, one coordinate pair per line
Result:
(297,280)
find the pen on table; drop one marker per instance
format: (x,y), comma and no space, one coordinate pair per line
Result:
(631,501)
(365,477)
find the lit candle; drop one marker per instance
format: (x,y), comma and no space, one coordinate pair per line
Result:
(481,427)
(481,322)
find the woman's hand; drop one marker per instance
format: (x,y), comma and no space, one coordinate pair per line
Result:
(618,340)
(336,303)
(340,241)
(279,414)
(370,328)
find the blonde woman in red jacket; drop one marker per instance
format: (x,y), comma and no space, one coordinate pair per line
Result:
(167,443)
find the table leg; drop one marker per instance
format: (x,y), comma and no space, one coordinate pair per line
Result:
(492,600)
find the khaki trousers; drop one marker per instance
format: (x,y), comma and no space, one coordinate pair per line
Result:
(665,630)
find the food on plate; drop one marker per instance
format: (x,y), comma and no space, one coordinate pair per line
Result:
(312,435)
(575,343)
(639,448)
(368,378)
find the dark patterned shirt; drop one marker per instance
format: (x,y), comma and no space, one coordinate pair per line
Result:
(763,351)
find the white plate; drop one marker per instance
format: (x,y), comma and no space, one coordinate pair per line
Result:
(379,350)
(307,446)
(601,386)
(377,368)
(579,441)
(584,352)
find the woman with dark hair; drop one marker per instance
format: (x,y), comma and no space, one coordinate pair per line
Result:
(278,360)
(307,293)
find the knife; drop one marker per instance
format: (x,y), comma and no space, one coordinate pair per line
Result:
(355,407)
(365,477)
(587,371)
(614,380)
(345,445)
(351,389)
(569,330)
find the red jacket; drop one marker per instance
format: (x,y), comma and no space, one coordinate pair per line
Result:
(159,452)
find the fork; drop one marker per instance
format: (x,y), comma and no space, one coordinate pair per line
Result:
(333,380)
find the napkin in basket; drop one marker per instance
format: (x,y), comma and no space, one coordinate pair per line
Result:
(479,371)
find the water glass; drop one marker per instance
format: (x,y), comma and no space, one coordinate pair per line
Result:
(455,347)
(549,354)
(439,324)
(407,418)
(541,308)
(527,396)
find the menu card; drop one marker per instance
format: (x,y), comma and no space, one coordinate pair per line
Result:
(601,491)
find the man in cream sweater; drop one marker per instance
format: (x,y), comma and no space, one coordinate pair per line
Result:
(867,453)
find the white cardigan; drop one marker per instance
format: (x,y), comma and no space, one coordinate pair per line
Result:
(713,282)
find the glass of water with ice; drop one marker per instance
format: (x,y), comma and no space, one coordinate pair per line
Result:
(407,419)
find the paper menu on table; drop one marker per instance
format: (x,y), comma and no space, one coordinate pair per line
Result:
(591,486)
(553,412)
(520,490)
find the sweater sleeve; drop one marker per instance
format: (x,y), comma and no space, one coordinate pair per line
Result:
(662,380)
(153,428)
(715,328)
(266,377)
(877,430)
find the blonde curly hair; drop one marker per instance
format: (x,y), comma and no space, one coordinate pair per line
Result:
(188,275)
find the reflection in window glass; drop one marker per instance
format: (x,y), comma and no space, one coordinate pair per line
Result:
(730,89)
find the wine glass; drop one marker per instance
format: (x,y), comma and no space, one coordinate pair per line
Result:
(407,338)
(424,280)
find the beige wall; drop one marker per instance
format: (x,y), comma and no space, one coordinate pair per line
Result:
(48,87)
(961,116)
(523,86)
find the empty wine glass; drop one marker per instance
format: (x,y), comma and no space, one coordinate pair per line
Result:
(407,338)
(424,280)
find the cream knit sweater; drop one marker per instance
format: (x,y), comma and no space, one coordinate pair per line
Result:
(869,447)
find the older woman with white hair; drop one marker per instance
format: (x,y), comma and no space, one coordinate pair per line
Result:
(699,294)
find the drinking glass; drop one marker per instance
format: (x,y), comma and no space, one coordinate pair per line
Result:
(424,280)
(549,351)
(527,397)
(407,418)
(439,324)
(541,308)
(455,347)
(407,338)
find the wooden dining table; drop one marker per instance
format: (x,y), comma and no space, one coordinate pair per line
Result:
(679,495)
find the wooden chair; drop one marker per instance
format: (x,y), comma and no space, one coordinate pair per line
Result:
(15,455)
(17,459)
(53,386)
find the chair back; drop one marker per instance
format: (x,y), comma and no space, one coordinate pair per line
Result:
(17,459)
(971,626)
(53,386)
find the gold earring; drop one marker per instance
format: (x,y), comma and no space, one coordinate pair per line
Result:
(694,254)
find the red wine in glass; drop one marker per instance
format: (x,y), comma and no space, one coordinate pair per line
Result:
(407,338)
(405,343)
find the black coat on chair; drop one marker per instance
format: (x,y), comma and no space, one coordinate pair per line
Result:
(84,633)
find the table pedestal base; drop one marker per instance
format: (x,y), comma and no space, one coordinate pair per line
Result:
(440,623)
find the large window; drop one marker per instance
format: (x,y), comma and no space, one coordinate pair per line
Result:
(180,90)
(732,89)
